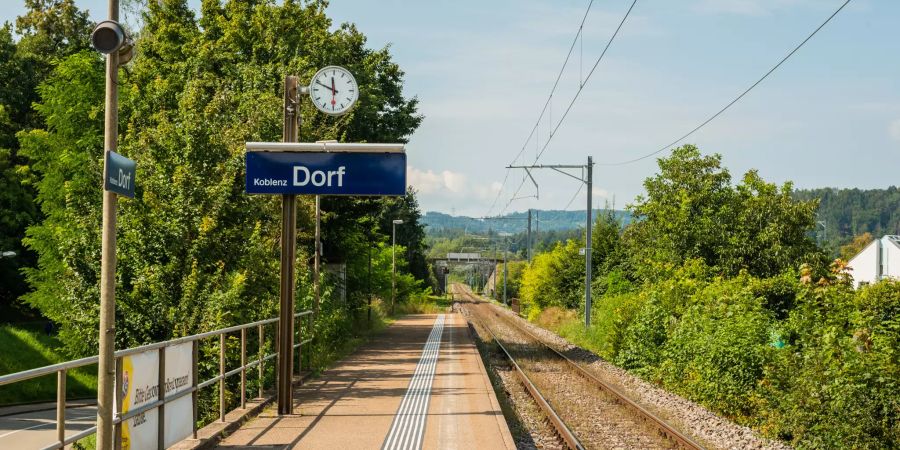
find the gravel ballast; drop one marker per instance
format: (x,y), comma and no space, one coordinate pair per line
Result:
(690,418)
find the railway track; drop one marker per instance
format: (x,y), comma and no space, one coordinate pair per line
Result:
(585,411)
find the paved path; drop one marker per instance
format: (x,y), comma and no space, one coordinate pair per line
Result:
(37,429)
(431,394)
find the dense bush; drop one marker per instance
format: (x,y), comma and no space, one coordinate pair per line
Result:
(555,278)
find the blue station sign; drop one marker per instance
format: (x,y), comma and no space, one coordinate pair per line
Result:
(120,173)
(326,173)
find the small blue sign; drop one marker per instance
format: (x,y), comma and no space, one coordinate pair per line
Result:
(324,173)
(120,173)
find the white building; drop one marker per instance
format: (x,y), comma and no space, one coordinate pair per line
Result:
(877,261)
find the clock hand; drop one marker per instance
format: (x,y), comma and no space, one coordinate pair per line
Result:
(326,86)
(333,93)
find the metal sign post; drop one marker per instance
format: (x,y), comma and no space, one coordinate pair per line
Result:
(110,39)
(322,168)
(288,255)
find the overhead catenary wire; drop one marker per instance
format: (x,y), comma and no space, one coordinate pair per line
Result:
(534,129)
(577,191)
(735,100)
(581,86)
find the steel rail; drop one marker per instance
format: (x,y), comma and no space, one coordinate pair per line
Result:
(561,428)
(664,428)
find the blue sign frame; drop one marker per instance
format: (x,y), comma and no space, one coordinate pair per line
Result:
(326,173)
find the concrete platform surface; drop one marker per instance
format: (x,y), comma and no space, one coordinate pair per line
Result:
(393,386)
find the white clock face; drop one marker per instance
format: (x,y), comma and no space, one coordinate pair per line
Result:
(333,90)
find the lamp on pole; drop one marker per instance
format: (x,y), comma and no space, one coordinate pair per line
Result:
(110,39)
(394,261)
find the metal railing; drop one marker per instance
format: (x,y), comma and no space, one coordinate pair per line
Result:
(62,369)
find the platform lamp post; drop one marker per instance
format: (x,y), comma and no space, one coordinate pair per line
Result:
(110,39)
(394,261)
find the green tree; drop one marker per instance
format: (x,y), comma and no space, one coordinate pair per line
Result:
(196,252)
(49,30)
(691,210)
(856,245)
(68,157)
(554,278)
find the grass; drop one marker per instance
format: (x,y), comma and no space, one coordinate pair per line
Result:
(605,330)
(425,304)
(23,348)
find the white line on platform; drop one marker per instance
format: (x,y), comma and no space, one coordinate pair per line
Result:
(408,427)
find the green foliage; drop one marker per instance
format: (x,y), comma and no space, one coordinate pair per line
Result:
(717,352)
(552,279)
(717,292)
(692,211)
(855,246)
(194,251)
(48,31)
(846,213)
(69,156)
(514,271)
(836,384)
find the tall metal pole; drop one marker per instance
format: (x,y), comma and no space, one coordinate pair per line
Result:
(393,263)
(494,273)
(288,255)
(316,260)
(106,372)
(528,237)
(587,247)
(505,271)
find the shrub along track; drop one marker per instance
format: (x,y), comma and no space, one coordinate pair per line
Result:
(585,411)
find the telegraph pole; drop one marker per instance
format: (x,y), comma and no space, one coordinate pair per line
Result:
(528,245)
(505,271)
(587,247)
(288,255)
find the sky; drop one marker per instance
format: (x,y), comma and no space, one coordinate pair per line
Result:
(483,70)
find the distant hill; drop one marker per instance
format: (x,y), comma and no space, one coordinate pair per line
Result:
(850,212)
(543,220)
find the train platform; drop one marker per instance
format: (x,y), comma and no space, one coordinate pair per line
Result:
(420,384)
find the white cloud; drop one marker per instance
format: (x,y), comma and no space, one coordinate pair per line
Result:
(446,190)
(600,193)
(449,184)
(894,130)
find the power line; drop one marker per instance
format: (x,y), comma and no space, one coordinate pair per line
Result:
(588,77)
(717,114)
(580,187)
(546,103)
(575,97)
